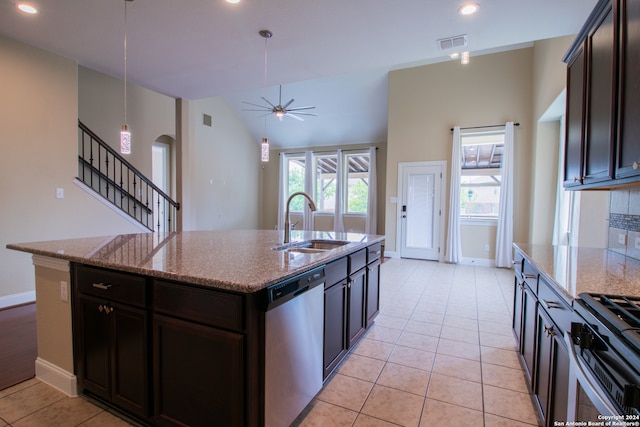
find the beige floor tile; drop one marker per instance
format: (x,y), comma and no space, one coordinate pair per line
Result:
(364,420)
(393,405)
(498,341)
(381,333)
(20,386)
(344,391)
(491,316)
(404,378)
(320,414)
(106,419)
(459,349)
(491,420)
(427,316)
(27,401)
(391,321)
(455,391)
(504,377)
(68,411)
(438,413)
(412,357)
(361,367)
(391,310)
(496,328)
(419,341)
(372,348)
(424,328)
(509,404)
(499,356)
(460,322)
(458,367)
(458,334)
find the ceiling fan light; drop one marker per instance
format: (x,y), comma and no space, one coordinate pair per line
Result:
(27,8)
(468,9)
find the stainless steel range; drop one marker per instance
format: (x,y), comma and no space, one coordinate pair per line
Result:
(605,367)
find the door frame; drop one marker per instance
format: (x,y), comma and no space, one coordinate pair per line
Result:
(442,164)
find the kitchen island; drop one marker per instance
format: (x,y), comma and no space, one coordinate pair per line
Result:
(170,328)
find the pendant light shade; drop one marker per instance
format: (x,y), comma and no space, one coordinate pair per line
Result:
(265,149)
(125,134)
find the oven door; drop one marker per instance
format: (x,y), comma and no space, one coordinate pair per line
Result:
(588,400)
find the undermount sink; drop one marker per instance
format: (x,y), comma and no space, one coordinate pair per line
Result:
(311,246)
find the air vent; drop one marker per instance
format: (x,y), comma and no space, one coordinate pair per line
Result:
(206,120)
(452,42)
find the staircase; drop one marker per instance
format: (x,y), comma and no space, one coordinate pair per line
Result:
(106,172)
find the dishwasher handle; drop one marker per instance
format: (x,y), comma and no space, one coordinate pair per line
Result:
(288,289)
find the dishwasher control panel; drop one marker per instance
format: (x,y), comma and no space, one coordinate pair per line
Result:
(290,288)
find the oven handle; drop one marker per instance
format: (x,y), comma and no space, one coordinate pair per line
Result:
(595,391)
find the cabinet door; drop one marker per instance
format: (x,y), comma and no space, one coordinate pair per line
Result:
(628,149)
(357,298)
(529,328)
(373,291)
(130,359)
(335,322)
(543,367)
(198,374)
(560,381)
(601,98)
(518,306)
(574,139)
(93,346)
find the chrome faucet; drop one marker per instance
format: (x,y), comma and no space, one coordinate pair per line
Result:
(287,227)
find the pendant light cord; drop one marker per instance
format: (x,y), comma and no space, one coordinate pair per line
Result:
(125,60)
(265,81)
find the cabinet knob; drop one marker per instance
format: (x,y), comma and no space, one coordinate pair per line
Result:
(636,165)
(549,332)
(530,276)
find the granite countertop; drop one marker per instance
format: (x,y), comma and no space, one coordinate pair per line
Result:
(238,260)
(576,270)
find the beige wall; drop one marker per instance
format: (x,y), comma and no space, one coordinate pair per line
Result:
(425,102)
(225,187)
(269,176)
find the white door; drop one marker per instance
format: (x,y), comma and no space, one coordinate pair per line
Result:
(419,209)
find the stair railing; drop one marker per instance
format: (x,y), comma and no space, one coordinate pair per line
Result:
(106,172)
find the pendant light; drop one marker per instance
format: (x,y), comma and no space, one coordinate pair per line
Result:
(125,134)
(264,146)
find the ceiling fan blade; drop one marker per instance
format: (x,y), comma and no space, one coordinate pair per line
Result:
(265,100)
(302,108)
(284,107)
(295,117)
(256,105)
(303,114)
(264,110)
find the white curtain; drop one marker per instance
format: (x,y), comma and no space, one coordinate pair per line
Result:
(283,178)
(504,233)
(308,188)
(561,220)
(338,220)
(372,203)
(454,247)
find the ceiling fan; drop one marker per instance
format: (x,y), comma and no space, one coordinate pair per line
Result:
(282,110)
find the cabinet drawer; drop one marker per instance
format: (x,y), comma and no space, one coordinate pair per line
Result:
(530,275)
(335,271)
(111,285)
(556,306)
(374,252)
(357,260)
(518,262)
(200,305)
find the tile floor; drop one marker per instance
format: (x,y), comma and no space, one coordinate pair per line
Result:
(441,353)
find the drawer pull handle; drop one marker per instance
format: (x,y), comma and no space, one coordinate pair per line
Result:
(102,286)
(551,304)
(549,332)
(105,308)
(530,276)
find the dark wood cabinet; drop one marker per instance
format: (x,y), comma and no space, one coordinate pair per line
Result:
(111,339)
(356,296)
(198,374)
(335,321)
(628,148)
(373,291)
(601,147)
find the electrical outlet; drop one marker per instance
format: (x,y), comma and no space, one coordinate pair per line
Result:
(622,239)
(486,247)
(59,193)
(64,292)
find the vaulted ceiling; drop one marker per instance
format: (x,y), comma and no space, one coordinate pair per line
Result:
(334,55)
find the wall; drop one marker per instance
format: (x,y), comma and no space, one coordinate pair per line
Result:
(425,102)
(38,118)
(270,178)
(226,171)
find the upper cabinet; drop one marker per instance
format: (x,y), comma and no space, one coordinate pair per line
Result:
(601,149)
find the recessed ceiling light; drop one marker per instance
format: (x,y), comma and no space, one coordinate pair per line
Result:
(233,1)
(468,9)
(27,8)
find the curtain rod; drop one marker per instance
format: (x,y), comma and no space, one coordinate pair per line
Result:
(327,151)
(482,127)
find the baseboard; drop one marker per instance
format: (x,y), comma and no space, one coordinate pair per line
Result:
(482,262)
(390,254)
(56,377)
(17,299)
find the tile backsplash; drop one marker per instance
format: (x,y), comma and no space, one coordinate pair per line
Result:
(624,222)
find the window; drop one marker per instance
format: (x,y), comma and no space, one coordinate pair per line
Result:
(295,171)
(481,174)
(326,182)
(357,191)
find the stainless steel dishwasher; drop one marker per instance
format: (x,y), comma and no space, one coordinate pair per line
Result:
(294,329)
